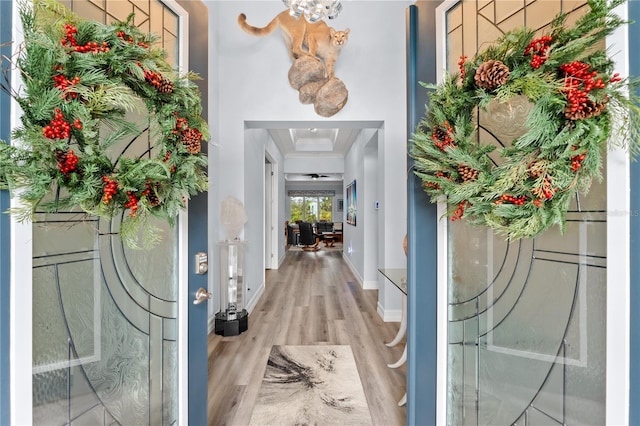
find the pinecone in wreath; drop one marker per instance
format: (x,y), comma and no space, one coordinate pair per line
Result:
(191,139)
(164,85)
(61,156)
(440,133)
(586,109)
(491,74)
(152,196)
(467,173)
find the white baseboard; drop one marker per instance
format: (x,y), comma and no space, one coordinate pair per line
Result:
(211,323)
(370,285)
(389,315)
(353,269)
(255,299)
(250,305)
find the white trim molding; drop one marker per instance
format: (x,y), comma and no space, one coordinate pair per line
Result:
(353,269)
(442,328)
(618,254)
(256,298)
(183,261)
(389,315)
(370,285)
(21,252)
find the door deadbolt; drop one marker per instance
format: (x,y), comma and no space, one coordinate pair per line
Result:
(202,265)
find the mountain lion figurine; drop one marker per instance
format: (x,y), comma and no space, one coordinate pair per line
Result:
(322,41)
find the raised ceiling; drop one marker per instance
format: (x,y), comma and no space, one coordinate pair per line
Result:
(306,142)
(302,143)
(314,141)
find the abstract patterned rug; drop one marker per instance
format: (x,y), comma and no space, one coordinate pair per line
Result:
(311,385)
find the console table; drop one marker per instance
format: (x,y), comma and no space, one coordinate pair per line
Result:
(398,276)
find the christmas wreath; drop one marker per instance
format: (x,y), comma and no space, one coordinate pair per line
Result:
(568,95)
(83,83)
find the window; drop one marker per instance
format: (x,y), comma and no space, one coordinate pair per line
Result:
(311,209)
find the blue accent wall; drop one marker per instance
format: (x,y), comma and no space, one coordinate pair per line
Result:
(198,229)
(5,306)
(422,230)
(634,379)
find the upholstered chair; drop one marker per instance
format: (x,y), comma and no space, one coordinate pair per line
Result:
(308,239)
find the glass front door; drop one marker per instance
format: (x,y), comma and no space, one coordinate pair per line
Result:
(526,320)
(105,316)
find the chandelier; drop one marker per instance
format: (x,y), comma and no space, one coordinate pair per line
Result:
(314,10)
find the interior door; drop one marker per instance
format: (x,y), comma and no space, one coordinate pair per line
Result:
(268,220)
(108,335)
(528,339)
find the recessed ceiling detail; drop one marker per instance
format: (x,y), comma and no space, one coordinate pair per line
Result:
(312,139)
(287,137)
(315,147)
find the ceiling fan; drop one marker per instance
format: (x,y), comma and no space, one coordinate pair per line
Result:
(315,175)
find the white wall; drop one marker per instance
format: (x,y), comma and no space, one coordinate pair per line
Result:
(318,165)
(327,186)
(249,81)
(368,193)
(354,235)
(254,203)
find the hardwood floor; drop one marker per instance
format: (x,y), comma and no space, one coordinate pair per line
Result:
(312,299)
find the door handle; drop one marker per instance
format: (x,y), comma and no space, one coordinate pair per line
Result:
(201,296)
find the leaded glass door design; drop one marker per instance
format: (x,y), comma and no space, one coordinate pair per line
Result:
(526,320)
(105,316)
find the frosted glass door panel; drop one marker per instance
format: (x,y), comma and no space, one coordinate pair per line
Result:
(527,319)
(104,315)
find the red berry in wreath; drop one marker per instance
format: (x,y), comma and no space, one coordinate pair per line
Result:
(110,189)
(132,203)
(58,128)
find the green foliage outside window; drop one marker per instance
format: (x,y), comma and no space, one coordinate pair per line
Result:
(297,208)
(326,208)
(311,209)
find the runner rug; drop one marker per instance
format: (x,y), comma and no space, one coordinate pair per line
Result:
(311,385)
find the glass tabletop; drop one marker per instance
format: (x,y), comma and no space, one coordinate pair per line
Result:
(398,276)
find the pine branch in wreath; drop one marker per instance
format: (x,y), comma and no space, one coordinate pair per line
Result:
(523,189)
(83,81)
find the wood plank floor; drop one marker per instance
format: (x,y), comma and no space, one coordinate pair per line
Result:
(312,299)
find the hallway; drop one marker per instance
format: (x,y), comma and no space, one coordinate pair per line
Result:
(313,299)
